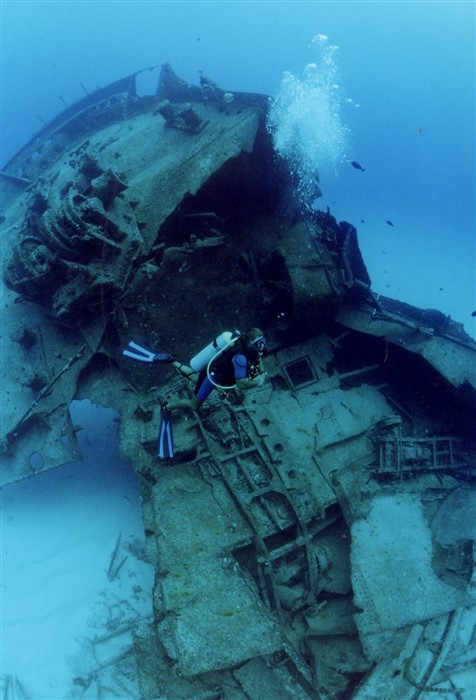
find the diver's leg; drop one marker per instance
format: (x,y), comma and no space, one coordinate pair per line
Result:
(187,404)
(202,390)
(185,371)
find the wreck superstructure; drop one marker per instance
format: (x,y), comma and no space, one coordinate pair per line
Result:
(312,539)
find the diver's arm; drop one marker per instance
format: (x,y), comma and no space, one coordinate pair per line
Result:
(253,382)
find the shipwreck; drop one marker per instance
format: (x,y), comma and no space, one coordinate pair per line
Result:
(329,546)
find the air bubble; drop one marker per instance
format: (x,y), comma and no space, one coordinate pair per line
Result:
(306,124)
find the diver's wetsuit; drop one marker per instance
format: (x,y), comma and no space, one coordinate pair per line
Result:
(226,370)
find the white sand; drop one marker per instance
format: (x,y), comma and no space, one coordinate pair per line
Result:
(58,532)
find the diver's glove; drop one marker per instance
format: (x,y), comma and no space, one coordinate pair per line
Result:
(261,378)
(163,357)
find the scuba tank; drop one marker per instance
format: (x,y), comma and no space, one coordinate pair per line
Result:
(204,357)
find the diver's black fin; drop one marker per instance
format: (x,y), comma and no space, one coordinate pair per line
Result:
(165,447)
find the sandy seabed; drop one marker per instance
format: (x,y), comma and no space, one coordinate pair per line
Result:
(60,590)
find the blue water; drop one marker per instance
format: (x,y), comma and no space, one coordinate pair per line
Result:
(398,97)
(57,532)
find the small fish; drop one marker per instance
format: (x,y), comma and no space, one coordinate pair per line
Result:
(419,130)
(357,166)
(390,223)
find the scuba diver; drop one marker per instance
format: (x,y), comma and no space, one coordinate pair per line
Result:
(231,361)
(237,365)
